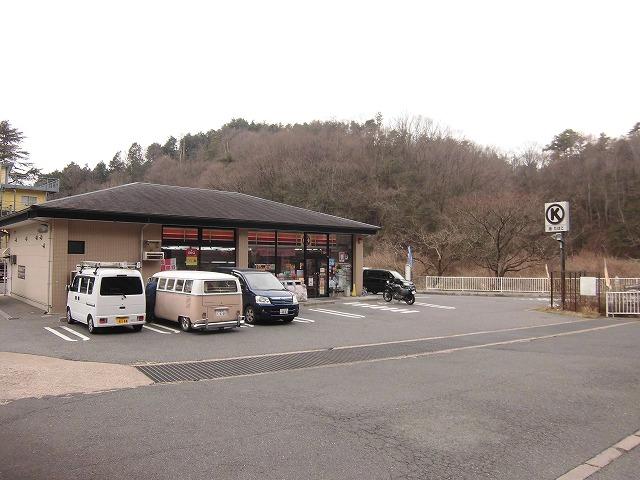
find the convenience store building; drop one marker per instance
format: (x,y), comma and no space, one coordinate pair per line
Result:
(167,227)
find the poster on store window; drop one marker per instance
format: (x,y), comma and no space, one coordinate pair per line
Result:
(191,257)
(168,264)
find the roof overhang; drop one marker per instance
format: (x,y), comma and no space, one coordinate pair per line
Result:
(37,211)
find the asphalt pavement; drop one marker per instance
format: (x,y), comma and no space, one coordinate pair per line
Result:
(346,322)
(531,403)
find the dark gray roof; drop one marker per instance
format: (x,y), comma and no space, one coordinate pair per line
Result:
(151,203)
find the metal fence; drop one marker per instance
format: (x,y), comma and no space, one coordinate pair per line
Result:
(489,284)
(623,303)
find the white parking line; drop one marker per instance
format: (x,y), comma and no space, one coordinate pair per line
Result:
(155,330)
(433,305)
(306,319)
(71,330)
(170,329)
(300,321)
(333,312)
(64,337)
(383,308)
(246,325)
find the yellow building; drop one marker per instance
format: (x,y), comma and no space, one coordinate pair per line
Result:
(16,197)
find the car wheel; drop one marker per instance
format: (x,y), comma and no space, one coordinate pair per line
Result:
(70,319)
(185,324)
(136,328)
(387,296)
(90,326)
(250,315)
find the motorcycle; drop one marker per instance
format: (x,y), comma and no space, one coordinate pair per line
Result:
(395,291)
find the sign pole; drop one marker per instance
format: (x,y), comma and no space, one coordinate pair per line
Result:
(562,270)
(556,221)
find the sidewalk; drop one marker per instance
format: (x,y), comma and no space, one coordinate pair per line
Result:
(28,376)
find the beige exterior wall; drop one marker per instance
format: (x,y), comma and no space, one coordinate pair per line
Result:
(104,241)
(48,265)
(358,262)
(32,249)
(242,248)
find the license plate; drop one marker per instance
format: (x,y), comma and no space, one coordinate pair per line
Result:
(121,320)
(284,311)
(221,313)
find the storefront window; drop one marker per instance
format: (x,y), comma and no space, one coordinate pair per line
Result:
(340,275)
(187,248)
(290,264)
(262,250)
(180,257)
(317,265)
(179,235)
(217,249)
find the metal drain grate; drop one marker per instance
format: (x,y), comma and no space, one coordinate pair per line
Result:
(234,367)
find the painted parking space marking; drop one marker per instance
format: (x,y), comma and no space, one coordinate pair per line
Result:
(297,320)
(247,325)
(433,305)
(155,330)
(167,328)
(335,312)
(383,308)
(306,319)
(61,335)
(71,330)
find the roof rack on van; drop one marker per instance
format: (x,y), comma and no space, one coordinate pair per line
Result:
(96,265)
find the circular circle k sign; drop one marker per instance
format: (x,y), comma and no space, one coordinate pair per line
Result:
(555,213)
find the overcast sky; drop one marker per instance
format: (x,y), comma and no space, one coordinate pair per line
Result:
(85,79)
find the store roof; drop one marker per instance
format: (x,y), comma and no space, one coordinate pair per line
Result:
(166,204)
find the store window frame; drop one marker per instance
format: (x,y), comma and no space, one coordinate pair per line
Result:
(199,242)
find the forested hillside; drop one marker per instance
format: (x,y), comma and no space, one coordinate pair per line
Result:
(454,201)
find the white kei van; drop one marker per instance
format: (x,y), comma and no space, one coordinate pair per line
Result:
(106,294)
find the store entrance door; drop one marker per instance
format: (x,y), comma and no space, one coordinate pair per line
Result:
(317,276)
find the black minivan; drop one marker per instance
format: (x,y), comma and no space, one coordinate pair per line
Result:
(375,279)
(263,296)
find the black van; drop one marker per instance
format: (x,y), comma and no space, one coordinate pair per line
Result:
(263,296)
(375,279)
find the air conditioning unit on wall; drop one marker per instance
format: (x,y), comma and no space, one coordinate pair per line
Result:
(153,256)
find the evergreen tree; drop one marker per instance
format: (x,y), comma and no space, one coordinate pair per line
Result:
(135,162)
(116,165)
(13,156)
(154,151)
(100,173)
(170,147)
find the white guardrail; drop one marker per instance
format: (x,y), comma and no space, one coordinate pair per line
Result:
(512,284)
(489,284)
(623,303)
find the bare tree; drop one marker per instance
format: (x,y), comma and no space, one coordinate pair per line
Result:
(504,232)
(438,251)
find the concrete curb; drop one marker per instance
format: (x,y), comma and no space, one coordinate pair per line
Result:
(603,459)
(482,294)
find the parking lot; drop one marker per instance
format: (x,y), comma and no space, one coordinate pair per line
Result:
(321,325)
(450,387)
